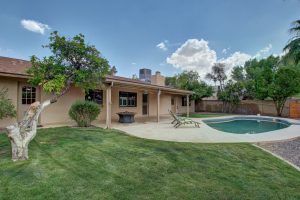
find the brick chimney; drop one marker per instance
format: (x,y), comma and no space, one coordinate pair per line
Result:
(158,79)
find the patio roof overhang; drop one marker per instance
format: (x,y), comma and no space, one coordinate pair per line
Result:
(14,75)
(126,82)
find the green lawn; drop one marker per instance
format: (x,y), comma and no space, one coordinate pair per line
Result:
(205,115)
(74,163)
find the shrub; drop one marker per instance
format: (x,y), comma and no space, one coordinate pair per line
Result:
(84,112)
(7,108)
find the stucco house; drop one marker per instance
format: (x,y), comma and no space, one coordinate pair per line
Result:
(149,99)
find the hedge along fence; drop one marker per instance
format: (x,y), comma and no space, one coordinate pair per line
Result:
(247,107)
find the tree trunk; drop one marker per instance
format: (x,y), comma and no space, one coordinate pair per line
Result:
(278,112)
(279,104)
(20,134)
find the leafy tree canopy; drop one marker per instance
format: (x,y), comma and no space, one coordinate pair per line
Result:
(273,78)
(260,74)
(286,83)
(238,74)
(73,61)
(231,94)
(7,109)
(293,47)
(190,80)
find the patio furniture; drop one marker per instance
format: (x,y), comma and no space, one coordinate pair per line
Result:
(126,117)
(178,121)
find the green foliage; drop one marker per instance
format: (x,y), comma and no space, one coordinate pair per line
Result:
(7,109)
(286,83)
(259,75)
(171,81)
(237,74)
(293,47)
(76,163)
(84,112)
(73,62)
(190,80)
(272,77)
(231,95)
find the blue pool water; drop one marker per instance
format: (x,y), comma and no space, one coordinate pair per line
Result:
(247,126)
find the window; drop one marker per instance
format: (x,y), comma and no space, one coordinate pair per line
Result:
(94,95)
(184,101)
(127,99)
(28,95)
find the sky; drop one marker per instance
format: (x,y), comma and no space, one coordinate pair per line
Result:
(163,35)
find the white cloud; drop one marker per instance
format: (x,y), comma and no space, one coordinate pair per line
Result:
(133,63)
(196,55)
(225,51)
(34,26)
(162,45)
(235,59)
(264,51)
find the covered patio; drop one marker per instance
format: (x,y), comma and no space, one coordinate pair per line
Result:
(148,101)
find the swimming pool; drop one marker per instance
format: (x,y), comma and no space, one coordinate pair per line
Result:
(247,125)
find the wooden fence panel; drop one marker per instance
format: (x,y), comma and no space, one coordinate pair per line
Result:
(295,109)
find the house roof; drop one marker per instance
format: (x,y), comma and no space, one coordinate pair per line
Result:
(13,67)
(139,83)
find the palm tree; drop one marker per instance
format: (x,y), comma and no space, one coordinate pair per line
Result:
(217,74)
(293,47)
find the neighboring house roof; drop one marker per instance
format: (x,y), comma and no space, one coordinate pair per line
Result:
(14,67)
(17,68)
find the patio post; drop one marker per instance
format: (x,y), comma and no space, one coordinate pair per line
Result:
(187,105)
(158,104)
(108,106)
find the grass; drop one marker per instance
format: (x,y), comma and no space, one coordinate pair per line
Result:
(92,163)
(205,115)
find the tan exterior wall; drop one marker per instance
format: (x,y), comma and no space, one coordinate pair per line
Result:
(58,112)
(183,109)
(165,103)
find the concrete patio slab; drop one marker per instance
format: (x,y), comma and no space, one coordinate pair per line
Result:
(205,134)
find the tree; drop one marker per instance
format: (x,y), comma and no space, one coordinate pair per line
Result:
(190,80)
(218,75)
(259,75)
(286,84)
(231,95)
(272,78)
(237,74)
(171,81)
(73,62)
(113,71)
(293,47)
(7,108)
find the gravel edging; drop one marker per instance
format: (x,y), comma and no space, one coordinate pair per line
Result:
(287,150)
